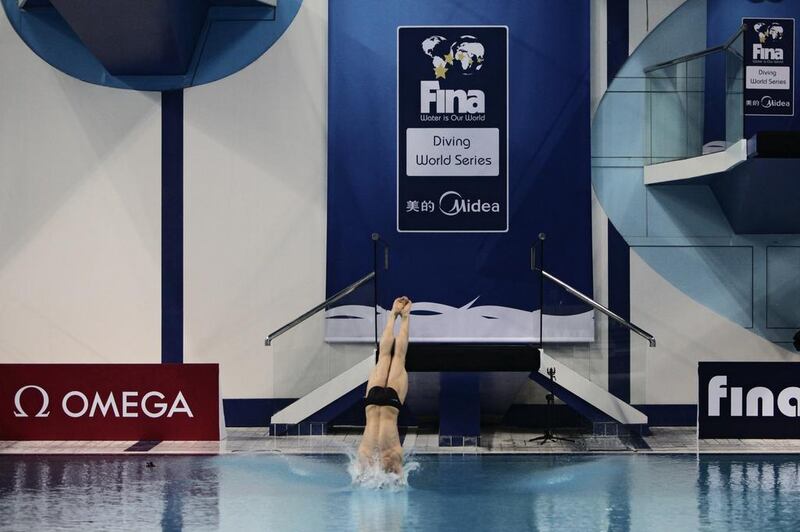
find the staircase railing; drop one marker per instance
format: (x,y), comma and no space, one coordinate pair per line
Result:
(341,294)
(597,306)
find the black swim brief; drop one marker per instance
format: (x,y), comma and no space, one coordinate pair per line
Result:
(380,396)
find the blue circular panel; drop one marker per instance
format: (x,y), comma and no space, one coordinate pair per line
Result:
(231,37)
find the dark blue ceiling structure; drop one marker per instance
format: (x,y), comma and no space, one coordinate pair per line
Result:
(150,44)
(759,196)
(137,37)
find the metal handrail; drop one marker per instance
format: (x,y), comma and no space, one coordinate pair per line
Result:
(322,306)
(586,299)
(696,55)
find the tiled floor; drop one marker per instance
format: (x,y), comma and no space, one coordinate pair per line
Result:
(257,440)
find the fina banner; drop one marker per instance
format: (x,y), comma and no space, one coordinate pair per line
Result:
(452,129)
(458,132)
(748,400)
(769,67)
(109,402)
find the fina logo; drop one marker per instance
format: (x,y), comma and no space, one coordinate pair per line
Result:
(788,400)
(460,205)
(771,33)
(465,56)
(103,407)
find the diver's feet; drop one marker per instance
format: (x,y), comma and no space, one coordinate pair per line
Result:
(406,310)
(398,304)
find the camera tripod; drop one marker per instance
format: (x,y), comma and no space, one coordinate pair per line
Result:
(548,433)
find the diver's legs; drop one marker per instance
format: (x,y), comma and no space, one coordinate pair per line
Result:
(380,373)
(398,377)
(370,441)
(389,437)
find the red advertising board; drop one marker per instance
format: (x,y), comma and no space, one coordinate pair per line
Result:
(109,402)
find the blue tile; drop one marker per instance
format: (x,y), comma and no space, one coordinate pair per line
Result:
(685,211)
(621,192)
(618,126)
(783,287)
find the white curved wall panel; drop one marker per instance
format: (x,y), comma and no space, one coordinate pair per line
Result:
(80,196)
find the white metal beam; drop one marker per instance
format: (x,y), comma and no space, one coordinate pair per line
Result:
(321,397)
(593,394)
(702,165)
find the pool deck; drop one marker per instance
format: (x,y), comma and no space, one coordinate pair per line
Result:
(662,440)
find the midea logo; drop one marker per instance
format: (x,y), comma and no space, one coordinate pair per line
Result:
(452,203)
(768,101)
(77,404)
(748,404)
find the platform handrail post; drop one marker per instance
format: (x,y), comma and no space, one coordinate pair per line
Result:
(375,238)
(542,237)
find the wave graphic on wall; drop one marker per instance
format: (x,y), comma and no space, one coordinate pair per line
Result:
(435,322)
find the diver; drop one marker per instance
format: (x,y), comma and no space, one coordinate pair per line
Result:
(386,392)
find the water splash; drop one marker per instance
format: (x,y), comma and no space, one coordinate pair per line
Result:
(373,476)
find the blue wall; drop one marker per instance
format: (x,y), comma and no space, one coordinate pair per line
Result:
(548,160)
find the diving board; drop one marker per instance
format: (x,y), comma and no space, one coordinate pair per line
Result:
(421,357)
(470,357)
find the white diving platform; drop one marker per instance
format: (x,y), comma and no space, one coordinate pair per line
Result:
(694,167)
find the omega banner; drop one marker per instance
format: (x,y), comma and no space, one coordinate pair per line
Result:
(452,128)
(749,400)
(109,402)
(769,67)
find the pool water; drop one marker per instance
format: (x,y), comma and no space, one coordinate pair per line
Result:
(462,492)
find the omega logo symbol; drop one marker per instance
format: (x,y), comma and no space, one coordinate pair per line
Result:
(43,412)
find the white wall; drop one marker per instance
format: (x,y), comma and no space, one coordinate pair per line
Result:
(80,201)
(255,217)
(80,231)
(687,333)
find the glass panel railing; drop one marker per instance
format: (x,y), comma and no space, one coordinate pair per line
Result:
(302,359)
(680,112)
(734,91)
(675,98)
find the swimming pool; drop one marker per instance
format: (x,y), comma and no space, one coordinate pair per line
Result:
(447,492)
